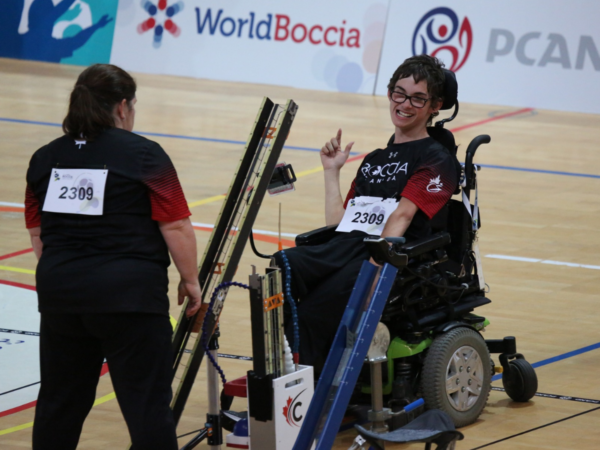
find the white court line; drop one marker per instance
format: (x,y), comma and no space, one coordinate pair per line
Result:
(513,258)
(543,261)
(197,224)
(15,205)
(506,257)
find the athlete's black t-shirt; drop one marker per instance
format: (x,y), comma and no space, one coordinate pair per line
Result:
(423,171)
(117,261)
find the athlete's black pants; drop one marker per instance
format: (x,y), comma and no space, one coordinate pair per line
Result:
(139,355)
(322,280)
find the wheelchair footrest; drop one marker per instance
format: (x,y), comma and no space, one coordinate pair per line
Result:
(507,345)
(431,426)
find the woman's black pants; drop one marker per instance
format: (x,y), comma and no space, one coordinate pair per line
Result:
(138,350)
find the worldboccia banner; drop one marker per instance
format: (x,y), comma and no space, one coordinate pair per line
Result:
(313,44)
(532,53)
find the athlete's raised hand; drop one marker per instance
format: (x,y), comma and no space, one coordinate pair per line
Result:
(332,155)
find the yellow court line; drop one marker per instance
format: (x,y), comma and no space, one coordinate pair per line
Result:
(105,398)
(17,428)
(16,269)
(98,401)
(207,200)
(222,196)
(310,171)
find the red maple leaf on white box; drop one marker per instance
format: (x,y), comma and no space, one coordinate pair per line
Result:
(286,410)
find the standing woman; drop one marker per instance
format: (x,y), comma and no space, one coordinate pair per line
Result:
(104,208)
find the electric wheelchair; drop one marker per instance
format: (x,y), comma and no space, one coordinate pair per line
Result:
(436,351)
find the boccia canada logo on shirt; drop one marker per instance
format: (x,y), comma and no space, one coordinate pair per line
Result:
(161,19)
(439,31)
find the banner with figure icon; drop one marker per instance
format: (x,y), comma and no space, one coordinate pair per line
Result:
(66,31)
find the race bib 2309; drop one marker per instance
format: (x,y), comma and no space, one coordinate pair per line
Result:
(76,191)
(368,214)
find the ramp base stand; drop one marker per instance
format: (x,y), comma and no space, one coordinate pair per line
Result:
(292,394)
(346,357)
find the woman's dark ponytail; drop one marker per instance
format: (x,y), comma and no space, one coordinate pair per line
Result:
(97,91)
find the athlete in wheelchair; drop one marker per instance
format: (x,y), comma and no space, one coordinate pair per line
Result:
(399,211)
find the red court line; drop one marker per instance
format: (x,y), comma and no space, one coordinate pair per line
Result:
(11,209)
(20,252)
(274,240)
(464,127)
(491,119)
(19,285)
(257,237)
(18,409)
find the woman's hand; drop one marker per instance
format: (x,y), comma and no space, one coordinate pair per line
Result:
(181,240)
(190,289)
(332,156)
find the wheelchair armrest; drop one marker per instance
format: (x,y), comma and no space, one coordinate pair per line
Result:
(381,252)
(426,244)
(316,237)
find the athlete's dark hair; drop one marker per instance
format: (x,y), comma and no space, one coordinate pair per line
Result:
(97,91)
(422,67)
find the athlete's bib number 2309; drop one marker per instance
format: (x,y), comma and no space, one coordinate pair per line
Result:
(76,191)
(368,214)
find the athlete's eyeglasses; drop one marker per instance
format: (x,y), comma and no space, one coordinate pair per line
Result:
(401,97)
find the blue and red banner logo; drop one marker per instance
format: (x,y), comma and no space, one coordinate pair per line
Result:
(160,19)
(439,31)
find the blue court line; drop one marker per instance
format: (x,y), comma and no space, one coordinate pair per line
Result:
(164,135)
(308,149)
(225,141)
(547,172)
(30,122)
(559,358)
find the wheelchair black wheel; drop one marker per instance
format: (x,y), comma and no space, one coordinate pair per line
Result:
(456,375)
(521,381)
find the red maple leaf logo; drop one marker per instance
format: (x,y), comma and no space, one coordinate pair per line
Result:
(286,410)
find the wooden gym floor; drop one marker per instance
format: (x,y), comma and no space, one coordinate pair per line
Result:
(540,203)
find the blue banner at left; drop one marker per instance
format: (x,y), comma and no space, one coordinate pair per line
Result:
(63,31)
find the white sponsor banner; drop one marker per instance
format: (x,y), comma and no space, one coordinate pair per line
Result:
(327,45)
(529,53)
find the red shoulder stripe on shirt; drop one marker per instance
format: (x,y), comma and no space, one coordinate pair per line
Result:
(33,218)
(166,196)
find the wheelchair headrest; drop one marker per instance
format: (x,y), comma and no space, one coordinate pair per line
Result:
(450,89)
(444,137)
